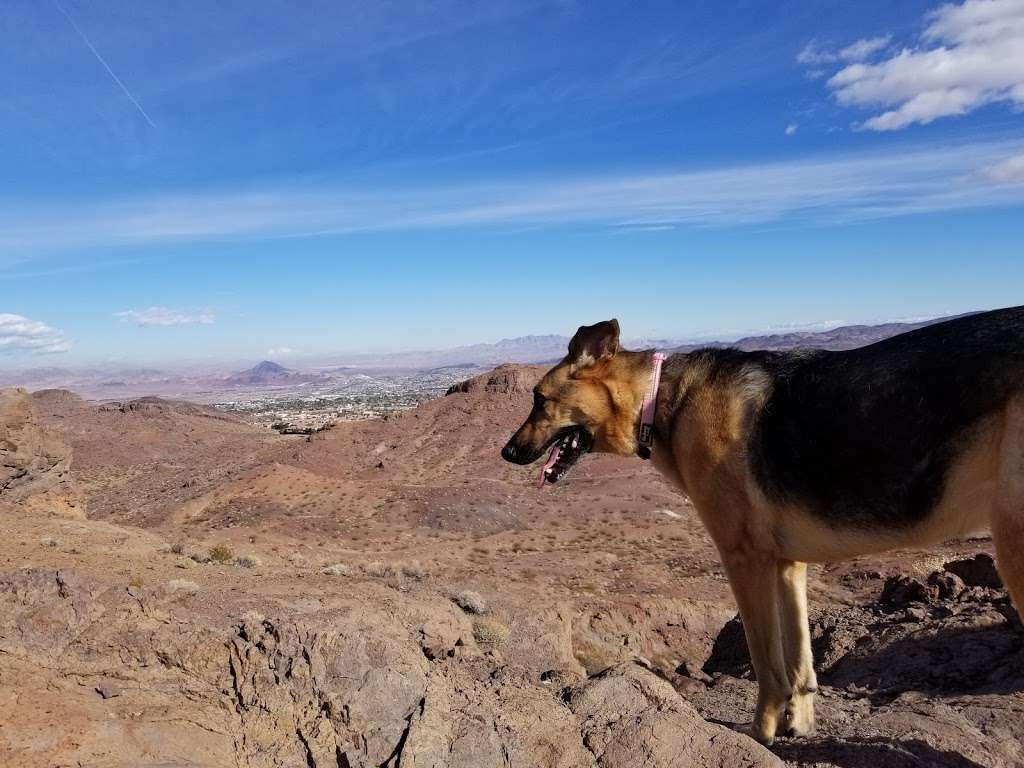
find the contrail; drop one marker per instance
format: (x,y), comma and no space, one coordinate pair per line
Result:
(106,66)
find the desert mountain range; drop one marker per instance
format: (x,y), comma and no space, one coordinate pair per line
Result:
(210,383)
(180,588)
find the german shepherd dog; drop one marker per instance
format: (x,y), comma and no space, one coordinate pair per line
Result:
(809,456)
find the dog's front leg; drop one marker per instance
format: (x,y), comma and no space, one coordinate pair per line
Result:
(796,648)
(752,576)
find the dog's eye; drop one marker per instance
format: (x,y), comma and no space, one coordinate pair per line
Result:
(539,400)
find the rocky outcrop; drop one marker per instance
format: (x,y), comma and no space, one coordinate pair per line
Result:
(508,379)
(32,459)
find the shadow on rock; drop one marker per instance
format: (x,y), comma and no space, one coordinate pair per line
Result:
(942,661)
(870,753)
(729,654)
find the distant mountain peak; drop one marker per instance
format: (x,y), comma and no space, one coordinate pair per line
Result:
(268,367)
(265,372)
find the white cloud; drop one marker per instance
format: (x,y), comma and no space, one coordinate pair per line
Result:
(971,55)
(162,316)
(19,334)
(281,352)
(791,129)
(1008,171)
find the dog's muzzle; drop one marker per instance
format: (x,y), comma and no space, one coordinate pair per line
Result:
(567,446)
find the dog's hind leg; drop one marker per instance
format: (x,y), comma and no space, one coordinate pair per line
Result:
(796,648)
(1008,508)
(752,577)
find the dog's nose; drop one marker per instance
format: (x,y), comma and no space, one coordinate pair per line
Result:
(508,453)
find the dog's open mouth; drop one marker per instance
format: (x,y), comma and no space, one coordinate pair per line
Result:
(564,454)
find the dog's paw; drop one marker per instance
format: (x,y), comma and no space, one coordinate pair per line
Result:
(798,719)
(759,734)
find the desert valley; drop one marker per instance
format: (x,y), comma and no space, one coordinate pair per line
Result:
(181,587)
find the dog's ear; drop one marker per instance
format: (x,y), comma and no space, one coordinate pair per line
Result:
(593,344)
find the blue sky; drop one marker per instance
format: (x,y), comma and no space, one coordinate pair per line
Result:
(186,181)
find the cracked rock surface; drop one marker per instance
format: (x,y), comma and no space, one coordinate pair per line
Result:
(33,458)
(351,687)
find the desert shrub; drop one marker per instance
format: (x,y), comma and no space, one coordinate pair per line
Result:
(414,570)
(248,561)
(221,553)
(48,541)
(183,585)
(490,632)
(178,548)
(379,570)
(338,569)
(136,581)
(469,601)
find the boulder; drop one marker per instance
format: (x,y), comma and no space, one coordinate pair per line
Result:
(629,717)
(977,571)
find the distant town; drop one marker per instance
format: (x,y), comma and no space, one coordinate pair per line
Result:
(304,408)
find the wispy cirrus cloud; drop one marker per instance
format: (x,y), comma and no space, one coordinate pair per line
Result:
(859,50)
(815,190)
(163,316)
(20,334)
(969,55)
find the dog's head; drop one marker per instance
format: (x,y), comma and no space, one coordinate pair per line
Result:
(586,402)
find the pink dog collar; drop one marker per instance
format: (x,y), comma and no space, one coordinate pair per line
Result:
(645,440)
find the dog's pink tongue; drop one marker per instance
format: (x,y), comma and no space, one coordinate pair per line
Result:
(552,458)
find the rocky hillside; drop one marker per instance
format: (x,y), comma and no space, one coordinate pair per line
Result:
(390,593)
(138,461)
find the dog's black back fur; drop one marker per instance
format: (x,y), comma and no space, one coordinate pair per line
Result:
(865,437)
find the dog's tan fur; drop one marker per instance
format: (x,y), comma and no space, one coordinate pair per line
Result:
(702,430)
